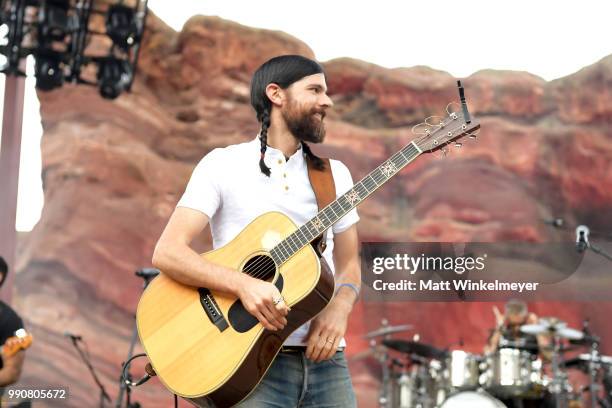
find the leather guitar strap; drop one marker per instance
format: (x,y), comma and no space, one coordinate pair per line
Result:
(322,182)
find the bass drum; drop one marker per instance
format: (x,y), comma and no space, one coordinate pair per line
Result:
(472,399)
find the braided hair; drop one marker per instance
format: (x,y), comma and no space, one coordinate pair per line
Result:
(263,137)
(283,71)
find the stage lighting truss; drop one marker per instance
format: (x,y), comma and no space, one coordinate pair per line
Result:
(58,34)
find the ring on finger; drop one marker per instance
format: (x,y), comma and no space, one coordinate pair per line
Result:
(278,300)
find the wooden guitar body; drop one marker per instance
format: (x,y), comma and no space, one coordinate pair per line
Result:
(202,344)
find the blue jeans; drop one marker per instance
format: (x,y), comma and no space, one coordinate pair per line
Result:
(294,381)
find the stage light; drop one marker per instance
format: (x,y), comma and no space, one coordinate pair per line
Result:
(120,25)
(57,33)
(48,71)
(114,76)
(53,22)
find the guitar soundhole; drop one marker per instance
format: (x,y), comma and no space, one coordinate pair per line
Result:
(260,267)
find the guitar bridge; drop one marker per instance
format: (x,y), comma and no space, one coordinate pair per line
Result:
(211,308)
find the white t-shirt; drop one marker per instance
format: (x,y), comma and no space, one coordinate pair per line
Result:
(228,186)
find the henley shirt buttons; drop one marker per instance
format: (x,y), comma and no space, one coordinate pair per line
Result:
(285,175)
(280,161)
(286,188)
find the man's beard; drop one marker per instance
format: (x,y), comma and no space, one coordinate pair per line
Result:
(305,126)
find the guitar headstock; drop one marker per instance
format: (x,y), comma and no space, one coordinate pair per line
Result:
(437,132)
(20,341)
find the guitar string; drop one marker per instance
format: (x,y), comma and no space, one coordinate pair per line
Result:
(259,270)
(260,273)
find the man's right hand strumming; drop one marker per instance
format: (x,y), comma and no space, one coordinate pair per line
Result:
(175,258)
(263,300)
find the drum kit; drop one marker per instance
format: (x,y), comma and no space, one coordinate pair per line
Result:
(418,375)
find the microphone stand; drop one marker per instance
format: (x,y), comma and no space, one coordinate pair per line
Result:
(582,237)
(103,394)
(124,382)
(599,251)
(583,243)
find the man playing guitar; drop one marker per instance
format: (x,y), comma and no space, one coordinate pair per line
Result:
(233,185)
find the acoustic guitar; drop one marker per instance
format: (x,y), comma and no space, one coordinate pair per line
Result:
(20,341)
(203,345)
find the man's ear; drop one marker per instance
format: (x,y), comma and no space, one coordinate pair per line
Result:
(276,94)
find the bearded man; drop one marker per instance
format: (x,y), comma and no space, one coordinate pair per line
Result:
(230,187)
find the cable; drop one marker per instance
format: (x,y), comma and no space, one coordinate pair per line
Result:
(126,365)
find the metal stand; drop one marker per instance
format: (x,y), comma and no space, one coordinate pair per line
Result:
(12,120)
(125,381)
(593,370)
(384,398)
(558,385)
(103,394)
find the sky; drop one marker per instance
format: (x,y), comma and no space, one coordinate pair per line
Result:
(549,39)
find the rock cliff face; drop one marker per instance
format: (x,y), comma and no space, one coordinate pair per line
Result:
(113,171)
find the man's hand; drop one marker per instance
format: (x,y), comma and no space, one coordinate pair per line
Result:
(259,297)
(327,329)
(10,373)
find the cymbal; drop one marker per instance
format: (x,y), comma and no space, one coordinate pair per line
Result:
(571,334)
(602,359)
(585,359)
(386,330)
(415,347)
(554,327)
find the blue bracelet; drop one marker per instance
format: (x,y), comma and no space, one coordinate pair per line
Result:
(350,285)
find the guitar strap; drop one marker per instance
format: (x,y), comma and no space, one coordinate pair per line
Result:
(322,182)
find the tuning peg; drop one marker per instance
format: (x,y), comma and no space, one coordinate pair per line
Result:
(458,145)
(472,136)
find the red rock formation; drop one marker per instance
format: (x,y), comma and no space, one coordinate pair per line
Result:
(113,171)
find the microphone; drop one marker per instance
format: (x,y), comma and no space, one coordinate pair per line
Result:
(582,238)
(555,222)
(147,273)
(74,337)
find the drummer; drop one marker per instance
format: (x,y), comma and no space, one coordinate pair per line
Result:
(507,332)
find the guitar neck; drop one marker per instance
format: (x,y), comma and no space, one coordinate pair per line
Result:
(331,214)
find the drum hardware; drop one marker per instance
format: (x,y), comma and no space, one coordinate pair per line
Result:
(416,382)
(520,344)
(583,359)
(415,347)
(558,330)
(513,373)
(429,377)
(606,401)
(594,365)
(386,330)
(381,354)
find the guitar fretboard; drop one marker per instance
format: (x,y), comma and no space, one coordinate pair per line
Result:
(329,215)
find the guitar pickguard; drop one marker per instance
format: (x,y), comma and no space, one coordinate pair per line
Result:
(241,320)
